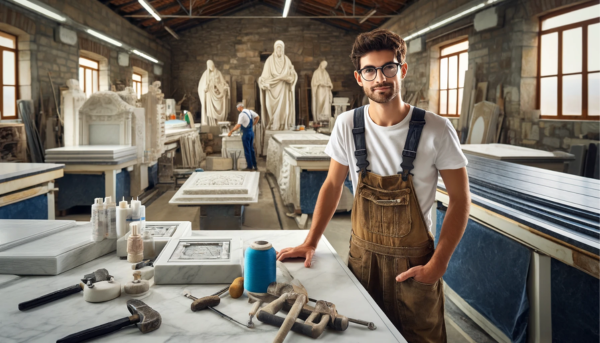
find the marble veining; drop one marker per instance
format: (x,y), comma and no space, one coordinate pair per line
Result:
(56,253)
(328,279)
(18,232)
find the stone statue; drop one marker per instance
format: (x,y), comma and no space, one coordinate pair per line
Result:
(71,102)
(214,95)
(321,93)
(277,97)
(128,95)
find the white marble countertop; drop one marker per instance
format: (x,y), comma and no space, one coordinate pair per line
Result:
(329,279)
(11,171)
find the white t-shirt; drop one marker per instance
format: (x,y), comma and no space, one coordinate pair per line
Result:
(243,117)
(439,149)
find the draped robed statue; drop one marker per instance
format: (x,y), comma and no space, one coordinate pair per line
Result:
(214,95)
(322,97)
(277,84)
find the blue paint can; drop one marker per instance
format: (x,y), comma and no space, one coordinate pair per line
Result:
(259,267)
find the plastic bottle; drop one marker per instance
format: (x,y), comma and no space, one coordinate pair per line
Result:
(135,210)
(149,247)
(98,225)
(122,216)
(111,218)
(142,218)
(135,245)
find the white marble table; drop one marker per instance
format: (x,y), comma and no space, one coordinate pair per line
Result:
(27,180)
(517,154)
(329,279)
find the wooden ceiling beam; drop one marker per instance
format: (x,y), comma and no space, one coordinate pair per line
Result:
(215,9)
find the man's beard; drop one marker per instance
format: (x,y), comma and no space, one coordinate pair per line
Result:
(384,97)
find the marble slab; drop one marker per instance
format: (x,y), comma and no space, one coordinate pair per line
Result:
(513,153)
(92,153)
(175,124)
(278,142)
(328,279)
(200,260)
(13,171)
(232,145)
(4,279)
(307,152)
(216,188)
(56,253)
(181,229)
(14,232)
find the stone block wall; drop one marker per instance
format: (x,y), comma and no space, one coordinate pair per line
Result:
(235,46)
(504,55)
(40,53)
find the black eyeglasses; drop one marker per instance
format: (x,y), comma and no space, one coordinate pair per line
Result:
(388,70)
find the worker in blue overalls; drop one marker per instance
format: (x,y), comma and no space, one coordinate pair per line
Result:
(246,121)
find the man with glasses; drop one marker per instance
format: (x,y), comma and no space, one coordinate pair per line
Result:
(394,152)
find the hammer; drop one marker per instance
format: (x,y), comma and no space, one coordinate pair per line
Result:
(142,315)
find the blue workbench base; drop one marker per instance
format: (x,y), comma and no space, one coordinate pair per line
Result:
(82,189)
(32,208)
(310,186)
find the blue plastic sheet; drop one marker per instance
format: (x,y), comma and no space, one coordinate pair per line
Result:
(489,271)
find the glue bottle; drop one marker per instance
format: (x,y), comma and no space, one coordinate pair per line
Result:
(135,210)
(142,218)
(122,218)
(111,218)
(135,245)
(98,222)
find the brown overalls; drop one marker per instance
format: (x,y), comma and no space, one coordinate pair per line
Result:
(389,236)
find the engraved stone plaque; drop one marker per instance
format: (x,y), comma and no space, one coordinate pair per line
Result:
(222,187)
(201,251)
(161,230)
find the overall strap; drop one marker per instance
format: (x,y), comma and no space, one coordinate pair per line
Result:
(360,144)
(417,121)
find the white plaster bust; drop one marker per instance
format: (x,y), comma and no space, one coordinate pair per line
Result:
(322,97)
(214,95)
(277,83)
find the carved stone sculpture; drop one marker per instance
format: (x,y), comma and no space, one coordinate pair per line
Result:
(71,102)
(153,103)
(322,96)
(214,95)
(277,97)
(128,95)
(105,119)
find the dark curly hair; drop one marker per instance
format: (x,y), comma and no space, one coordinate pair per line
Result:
(377,40)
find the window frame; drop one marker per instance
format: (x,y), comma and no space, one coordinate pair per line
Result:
(82,83)
(140,82)
(584,67)
(2,85)
(447,90)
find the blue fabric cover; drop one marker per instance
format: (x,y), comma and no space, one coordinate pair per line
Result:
(32,208)
(310,185)
(575,299)
(489,271)
(82,189)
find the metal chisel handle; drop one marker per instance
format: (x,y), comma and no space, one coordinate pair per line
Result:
(50,297)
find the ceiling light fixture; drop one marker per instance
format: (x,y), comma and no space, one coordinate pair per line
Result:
(150,9)
(447,20)
(103,37)
(169,30)
(286,8)
(41,10)
(371,12)
(145,56)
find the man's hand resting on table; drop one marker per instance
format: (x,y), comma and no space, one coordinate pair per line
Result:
(303,250)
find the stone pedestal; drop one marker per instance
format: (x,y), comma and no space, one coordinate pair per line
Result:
(279,141)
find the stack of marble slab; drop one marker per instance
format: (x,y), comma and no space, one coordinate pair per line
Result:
(48,247)
(278,142)
(162,232)
(218,188)
(307,158)
(92,154)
